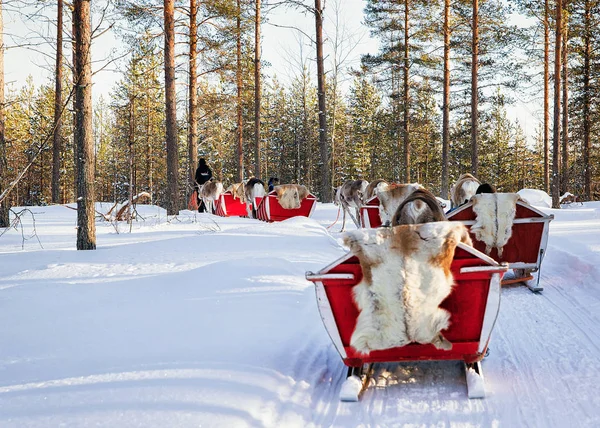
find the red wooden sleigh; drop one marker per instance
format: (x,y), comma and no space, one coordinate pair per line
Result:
(369,214)
(227,206)
(526,248)
(474,304)
(270,210)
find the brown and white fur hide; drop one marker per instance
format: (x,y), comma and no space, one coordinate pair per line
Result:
(495,213)
(290,195)
(406,276)
(420,207)
(210,192)
(375,187)
(390,200)
(463,189)
(349,195)
(238,191)
(254,188)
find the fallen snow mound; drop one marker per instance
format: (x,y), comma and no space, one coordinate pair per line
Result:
(535,197)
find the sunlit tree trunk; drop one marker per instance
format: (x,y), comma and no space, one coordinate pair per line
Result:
(474,95)
(257,91)
(86,227)
(546,97)
(557,101)
(5,204)
(325,176)
(446,102)
(564,179)
(57,137)
(587,52)
(171,109)
(193,97)
(406,98)
(238,78)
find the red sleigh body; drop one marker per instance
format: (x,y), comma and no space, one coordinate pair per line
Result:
(526,248)
(270,210)
(473,304)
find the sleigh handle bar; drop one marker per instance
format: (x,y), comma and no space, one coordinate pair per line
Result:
(493,269)
(322,276)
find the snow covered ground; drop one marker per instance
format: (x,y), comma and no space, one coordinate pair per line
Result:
(207,321)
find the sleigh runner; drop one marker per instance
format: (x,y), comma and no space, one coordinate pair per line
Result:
(473,306)
(525,249)
(270,209)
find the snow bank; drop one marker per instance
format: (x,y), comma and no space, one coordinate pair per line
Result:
(537,198)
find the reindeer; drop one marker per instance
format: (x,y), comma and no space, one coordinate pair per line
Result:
(351,195)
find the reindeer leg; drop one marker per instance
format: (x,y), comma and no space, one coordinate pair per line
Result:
(354,220)
(343,219)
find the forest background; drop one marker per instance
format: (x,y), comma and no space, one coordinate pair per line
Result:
(426,100)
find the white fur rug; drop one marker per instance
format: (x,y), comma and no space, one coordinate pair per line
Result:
(495,215)
(406,276)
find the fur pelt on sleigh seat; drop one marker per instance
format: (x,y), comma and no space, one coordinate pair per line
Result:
(495,215)
(406,276)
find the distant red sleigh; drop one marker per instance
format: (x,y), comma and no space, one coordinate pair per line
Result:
(369,214)
(474,304)
(526,248)
(270,210)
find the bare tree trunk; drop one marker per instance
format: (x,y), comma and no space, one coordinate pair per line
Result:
(131,138)
(86,226)
(546,98)
(446,102)
(564,180)
(556,128)
(74,55)
(587,52)
(474,95)
(325,176)
(238,75)
(257,91)
(193,97)
(171,109)
(57,141)
(5,204)
(406,98)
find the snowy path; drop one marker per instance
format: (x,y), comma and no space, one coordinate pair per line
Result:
(193,324)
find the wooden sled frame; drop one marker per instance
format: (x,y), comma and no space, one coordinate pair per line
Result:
(474,273)
(522,267)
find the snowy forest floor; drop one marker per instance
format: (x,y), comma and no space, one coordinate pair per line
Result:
(208,321)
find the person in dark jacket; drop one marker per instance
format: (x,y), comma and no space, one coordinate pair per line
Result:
(203,174)
(273,181)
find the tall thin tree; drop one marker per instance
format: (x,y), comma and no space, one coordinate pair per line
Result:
(238,79)
(446,101)
(564,174)
(546,96)
(171,109)
(406,96)
(587,53)
(557,103)
(474,89)
(57,137)
(4,205)
(257,91)
(193,96)
(323,149)
(86,226)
